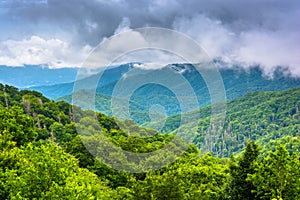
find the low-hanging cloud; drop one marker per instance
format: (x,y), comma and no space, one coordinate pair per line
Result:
(268,48)
(257,32)
(36,50)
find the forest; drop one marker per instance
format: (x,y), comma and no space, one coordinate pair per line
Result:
(258,116)
(43,157)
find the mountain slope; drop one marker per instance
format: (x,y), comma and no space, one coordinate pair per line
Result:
(237,82)
(103,105)
(40,150)
(58,90)
(260,116)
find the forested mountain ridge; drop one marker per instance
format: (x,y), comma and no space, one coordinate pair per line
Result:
(237,82)
(259,116)
(42,157)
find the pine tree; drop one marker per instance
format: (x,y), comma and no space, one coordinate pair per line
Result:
(239,187)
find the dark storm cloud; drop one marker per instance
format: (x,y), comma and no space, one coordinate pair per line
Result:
(264,32)
(91,20)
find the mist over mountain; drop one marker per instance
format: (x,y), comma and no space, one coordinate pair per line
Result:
(59,84)
(234,77)
(237,82)
(58,90)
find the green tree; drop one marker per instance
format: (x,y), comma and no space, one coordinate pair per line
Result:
(45,171)
(239,187)
(277,176)
(17,126)
(190,177)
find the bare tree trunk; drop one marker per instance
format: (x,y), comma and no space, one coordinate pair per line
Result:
(27,106)
(71,114)
(6,100)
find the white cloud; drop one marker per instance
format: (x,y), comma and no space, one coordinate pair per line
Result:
(270,49)
(149,66)
(151,58)
(155,47)
(123,26)
(267,48)
(109,51)
(211,35)
(36,50)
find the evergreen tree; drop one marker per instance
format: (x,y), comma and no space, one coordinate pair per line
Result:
(239,187)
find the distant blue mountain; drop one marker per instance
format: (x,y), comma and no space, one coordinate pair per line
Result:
(35,75)
(237,82)
(110,75)
(59,84)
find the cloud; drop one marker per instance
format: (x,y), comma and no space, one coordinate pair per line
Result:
(264,32)
(150,58)
(111,50)
(36,50)
(268,48)
(155,47)
(210,34)
(123,26)
(148,66)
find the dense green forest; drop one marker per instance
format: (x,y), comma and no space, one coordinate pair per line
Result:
(43,157)
(259,116)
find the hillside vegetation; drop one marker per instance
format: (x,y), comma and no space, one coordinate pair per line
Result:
(259,116)
(42,157)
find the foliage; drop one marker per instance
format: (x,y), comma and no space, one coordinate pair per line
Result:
(190,177)
(239,187)
(43,157)
(277,176)
(259,116)
(45,171)
(16,126)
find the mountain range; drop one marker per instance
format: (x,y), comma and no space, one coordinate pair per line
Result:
(35,75)
(237,82)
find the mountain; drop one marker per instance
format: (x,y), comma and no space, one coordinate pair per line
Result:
(58,90)
(40,149)
(43,157)
(35,75)
(259,116)
(237,82)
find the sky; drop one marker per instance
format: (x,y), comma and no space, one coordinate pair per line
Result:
(63,33)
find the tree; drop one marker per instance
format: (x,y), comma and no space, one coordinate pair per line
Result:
(277,176)
(239,187)
(45,171)
(190,177)
(17,125)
